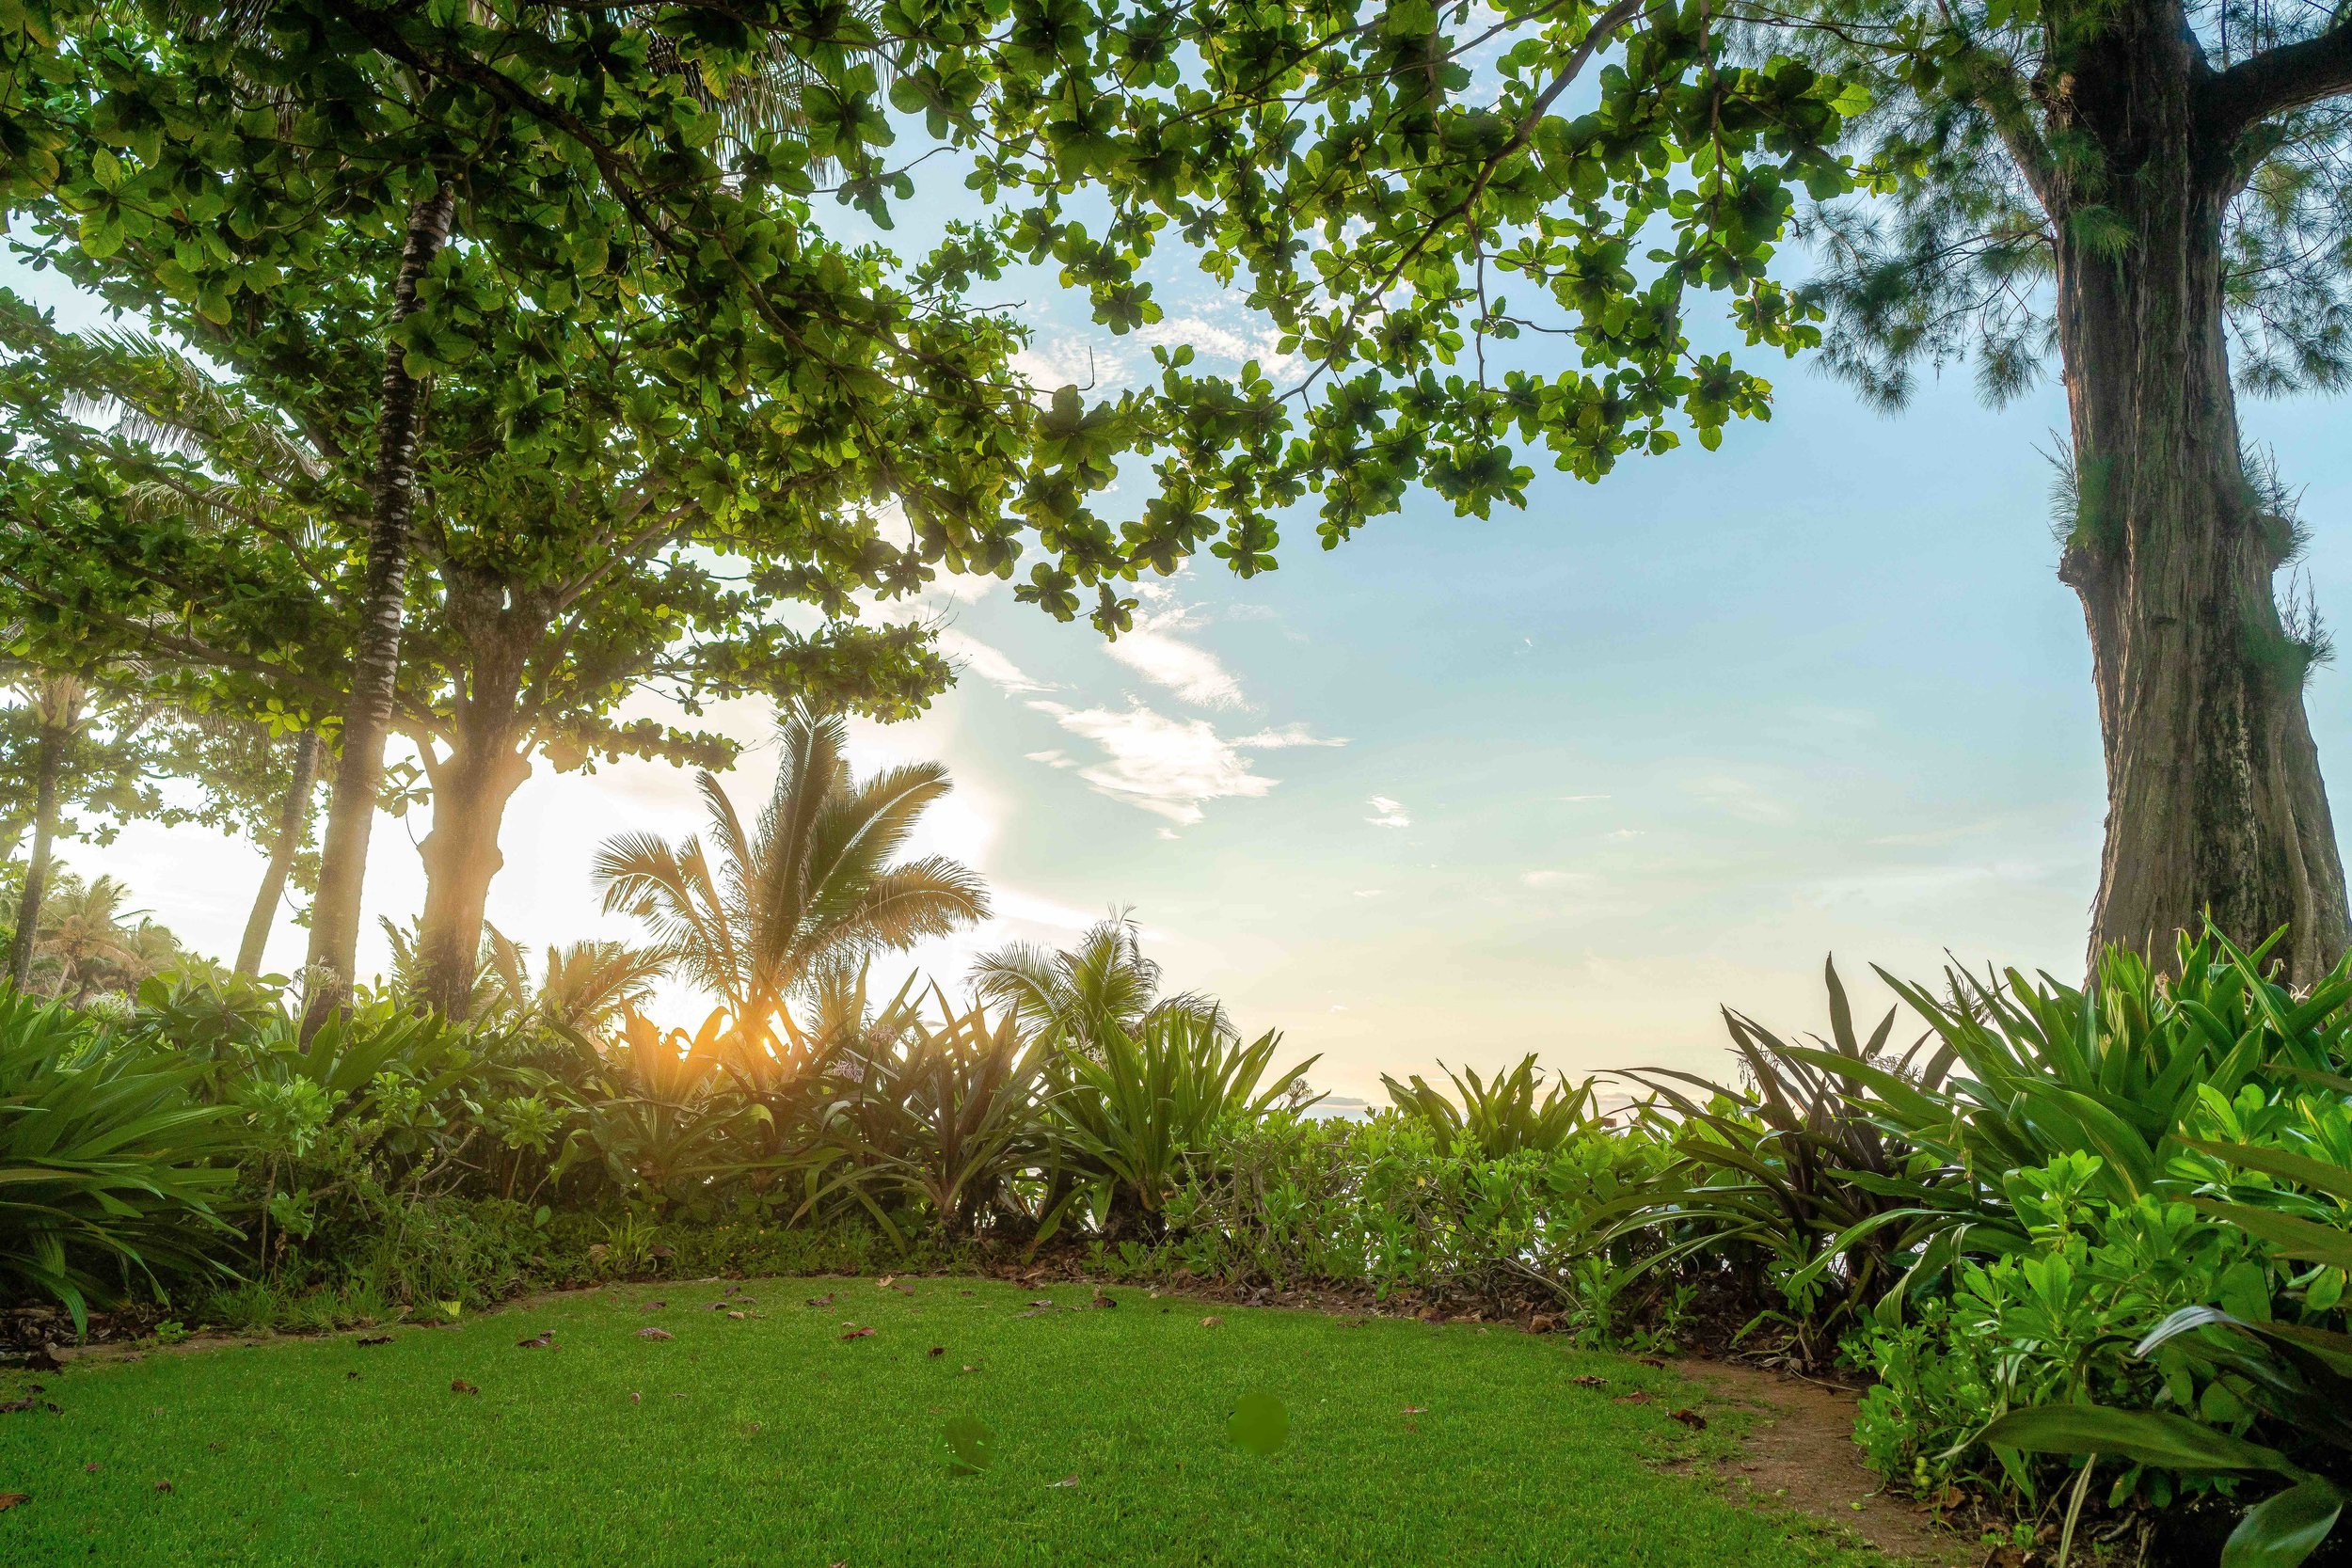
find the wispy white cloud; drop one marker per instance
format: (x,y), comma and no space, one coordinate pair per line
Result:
(1288,736)
(1155,650)
(1392,812)
(1930,836)
(1738,797)
(1370,891)
(1216,340)
(960,587)
(1171,767)
(1579,800)
(1188,670)
(1056,758)
(1621,834)
(1547,879)
(1057,359)
(987,663)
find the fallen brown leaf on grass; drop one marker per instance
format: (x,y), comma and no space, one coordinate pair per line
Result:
(1651,1360)
(1586,1380)
(1637,1396)
(885,1282)
(636,1398)
(1032,1312)
(1041,1303)
(162,1486)
(1690,1418)
(971,1369)
(1540,1323)
(10,1499)
(91,1466)
(1066,1481)
(655,1334)
(1416,1409)
(1210,1322)
(939,1350)
(373,1339)
(459,1385)
(738,1316)
(654,1306)
(825,1299)
(545,1340)
(351,1377)
(12,1406)
(858,1333)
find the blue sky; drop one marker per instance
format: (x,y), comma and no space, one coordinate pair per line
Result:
(1564,782)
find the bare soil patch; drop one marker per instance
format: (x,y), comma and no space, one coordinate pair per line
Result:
(1800,1452)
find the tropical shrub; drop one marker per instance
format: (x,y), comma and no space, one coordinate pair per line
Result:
(660,1117)
(1794,1177)
(936,1121)
(1287,1200)
(110,1166)
(1512,1112)
(1140,1103)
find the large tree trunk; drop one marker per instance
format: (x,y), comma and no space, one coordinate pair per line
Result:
(367,716)
(489,760)
(2214,802)
(293,821)
(48,761)
(461,856)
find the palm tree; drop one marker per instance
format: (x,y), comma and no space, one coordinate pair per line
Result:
(584,987)
(88,943)
(1081,993)
(56,706)
(762,912)
(588,986)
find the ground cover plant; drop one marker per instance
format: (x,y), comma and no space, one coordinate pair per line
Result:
(916,1422)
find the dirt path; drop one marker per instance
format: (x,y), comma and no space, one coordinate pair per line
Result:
(1801,1453)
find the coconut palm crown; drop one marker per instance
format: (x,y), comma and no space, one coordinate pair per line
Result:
(1103,983)
(756,914)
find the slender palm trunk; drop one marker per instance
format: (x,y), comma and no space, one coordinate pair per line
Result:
(2215,801)
(293,821)
(49,762)
(367,716)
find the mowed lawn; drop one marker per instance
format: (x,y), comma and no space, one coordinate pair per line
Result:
(770,1439)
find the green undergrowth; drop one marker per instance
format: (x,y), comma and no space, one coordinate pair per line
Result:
(770,1438)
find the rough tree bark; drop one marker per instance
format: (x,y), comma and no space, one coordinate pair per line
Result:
(2215,801)
(376,666)
(294,818)
(489,760)
(48,761)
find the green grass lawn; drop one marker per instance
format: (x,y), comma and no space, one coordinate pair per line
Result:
(769,1439)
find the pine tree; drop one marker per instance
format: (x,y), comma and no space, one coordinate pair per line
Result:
(2155,196)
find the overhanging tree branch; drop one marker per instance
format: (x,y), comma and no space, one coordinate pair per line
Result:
(2277,80)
